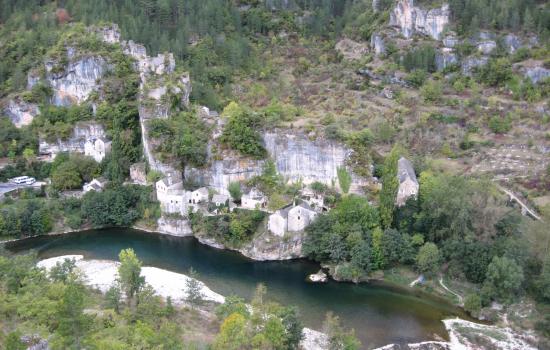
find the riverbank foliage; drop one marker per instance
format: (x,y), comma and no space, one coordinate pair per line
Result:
(56,308)
(233,230)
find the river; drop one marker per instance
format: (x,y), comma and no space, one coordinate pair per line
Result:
(379,314)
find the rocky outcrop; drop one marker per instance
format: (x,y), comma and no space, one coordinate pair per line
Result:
(20,112)
(536,74)
(82,132)
(445,58)
(411,19)
(377,44)
(73,83)
(486,46)
(174,226)
(451,41)
(154,73)
(220,173)
(299,159)
(470,63)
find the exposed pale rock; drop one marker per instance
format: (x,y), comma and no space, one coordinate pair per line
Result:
(138,173)
(451,41)
(411,19)
(486,46)
(536,74)
(377,44)
(174,226)
(319,277)
(512,43)
(533,70)
(299,159)
(73,83)
(82,132)
(445,58)
(470,63)
(20,112)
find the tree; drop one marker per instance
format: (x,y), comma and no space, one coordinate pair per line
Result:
(428,259)
(193,289)
(504,280)
(543,282)
(344,179)
(293,327)
(235,191)
(129,273)
(390,184)
(73,323)
(13,341)
(113,297)
(233,334)
(63,271)
(472,304)
(66,176)
(339,339)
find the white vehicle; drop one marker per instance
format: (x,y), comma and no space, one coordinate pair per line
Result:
(23,180)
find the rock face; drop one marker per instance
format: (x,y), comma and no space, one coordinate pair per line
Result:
(82,132)
(151,70)
(445,58)
(20,112)
(174,227)
(470,63)
(536,74)
(73,83)
(298,158)
(486,46)
(377,44)
(411,19)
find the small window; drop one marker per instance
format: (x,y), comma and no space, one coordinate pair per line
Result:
(298,218)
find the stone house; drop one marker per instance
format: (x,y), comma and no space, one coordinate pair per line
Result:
(220,200)
(293,218)
(253,200)
(199,195)
(95,185)
(170,193)
(97,148)
(408,184)
(138,173)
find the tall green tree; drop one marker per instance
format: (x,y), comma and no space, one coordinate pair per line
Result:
(129,273)
(390,184)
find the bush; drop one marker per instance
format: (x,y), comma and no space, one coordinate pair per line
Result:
(472,304)
(432,91)
(500,125)
(495,73)
(428,259)
(417,78)
(422,58)
(241,131)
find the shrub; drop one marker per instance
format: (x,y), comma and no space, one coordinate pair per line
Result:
(417,78)
(428,259)
(500,125)
(432,91)
(472,304)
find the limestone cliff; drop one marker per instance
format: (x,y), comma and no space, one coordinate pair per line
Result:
(82,132)
(73,83)
(20,112)
(411,19)
(296,157)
